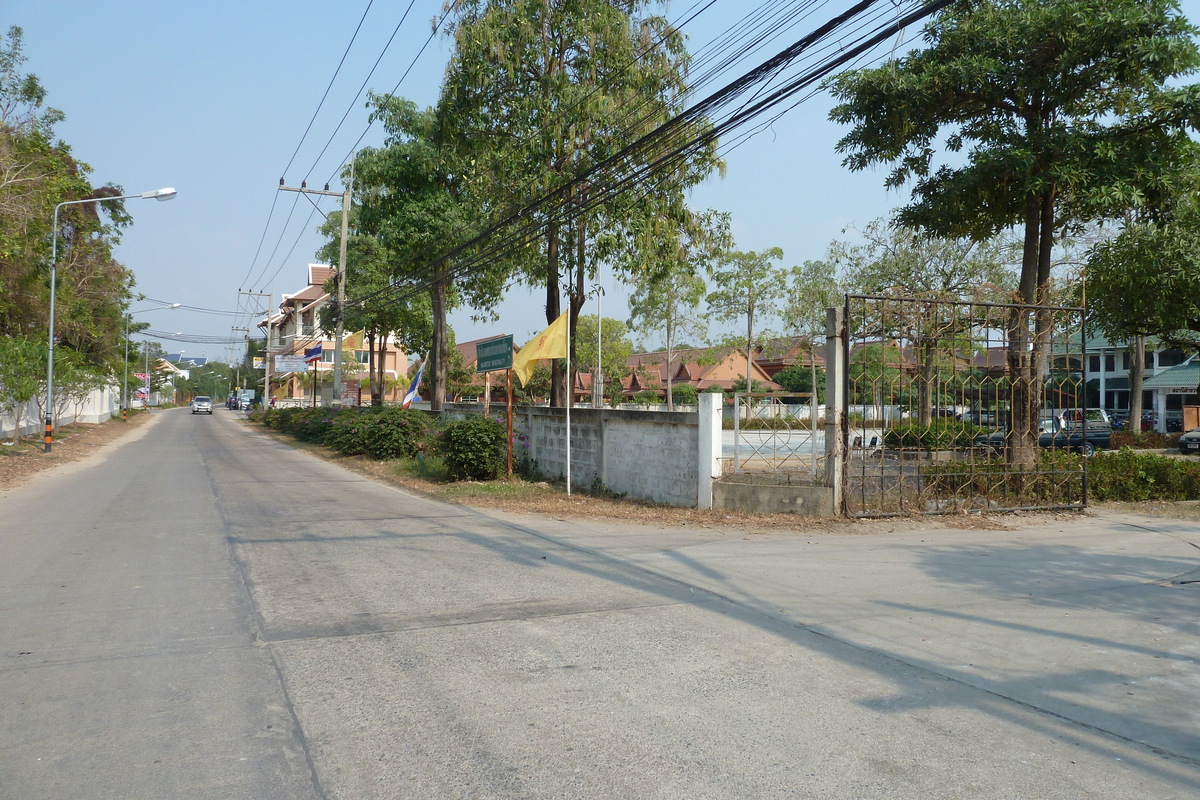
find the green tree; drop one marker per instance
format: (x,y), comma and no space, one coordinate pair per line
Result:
(903,263)
(668,298)
(751,287)
(613,351)
(1143,281)
(813,288)
(414,201)
(539,90)
(22,365)
(799,379)
(407,322)
(1064,114)
(37,173)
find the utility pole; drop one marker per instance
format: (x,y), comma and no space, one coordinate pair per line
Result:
(237,381)
(267,344)
(341,275)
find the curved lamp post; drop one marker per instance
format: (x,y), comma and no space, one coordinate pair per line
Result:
(157,194)
(125,386)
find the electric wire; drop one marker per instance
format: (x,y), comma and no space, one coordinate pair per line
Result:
(336,71)
(358,94)
(670,158)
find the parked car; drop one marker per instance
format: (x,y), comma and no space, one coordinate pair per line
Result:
(1054,433)
(202,405)
(1190,441)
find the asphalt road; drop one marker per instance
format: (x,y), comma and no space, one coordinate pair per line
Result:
(200,612)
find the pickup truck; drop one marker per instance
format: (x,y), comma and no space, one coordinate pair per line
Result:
(1058,434)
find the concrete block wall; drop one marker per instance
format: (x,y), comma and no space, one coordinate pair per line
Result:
(100,405)
(653,455)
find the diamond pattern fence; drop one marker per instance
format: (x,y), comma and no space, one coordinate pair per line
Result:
(937,393)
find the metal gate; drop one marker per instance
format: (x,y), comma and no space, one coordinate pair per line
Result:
(932,391)
(779,434)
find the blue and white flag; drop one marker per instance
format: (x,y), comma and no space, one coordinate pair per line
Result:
(412,387)
(312,354)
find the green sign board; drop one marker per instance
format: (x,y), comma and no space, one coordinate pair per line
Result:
(494,354)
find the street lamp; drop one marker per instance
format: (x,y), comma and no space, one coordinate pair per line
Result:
(157,194)
(125,389)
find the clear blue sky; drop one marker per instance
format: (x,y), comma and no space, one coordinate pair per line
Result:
(213,98)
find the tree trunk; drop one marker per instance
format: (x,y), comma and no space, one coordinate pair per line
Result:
(439,352)
(1137,373)
(925,364)
(1029,332)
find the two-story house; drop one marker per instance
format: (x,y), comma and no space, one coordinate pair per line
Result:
(295,326)
(1169,378)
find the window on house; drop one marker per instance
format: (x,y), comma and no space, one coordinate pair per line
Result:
(326,356)
(1093,364)
(1149,359)
(362,356)
(1110,363)
(1125,360)
(1169,358)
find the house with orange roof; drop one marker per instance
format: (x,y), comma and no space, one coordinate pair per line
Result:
(704,368)
(295,326)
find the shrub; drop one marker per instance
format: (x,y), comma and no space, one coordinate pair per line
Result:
(684,394)
(1054,481)
(473,449)
(311,424)
(940,434)
(392,432)
(1132,476)
(647,397)
(348,433)
(1145,440)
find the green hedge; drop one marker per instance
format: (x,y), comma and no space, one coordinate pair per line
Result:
(1124,475)
(381,433)
(1130,476)
(1055,480)
(940,434)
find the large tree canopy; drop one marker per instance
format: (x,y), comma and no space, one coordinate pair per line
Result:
(38,172)
(538,91)
(1056,111)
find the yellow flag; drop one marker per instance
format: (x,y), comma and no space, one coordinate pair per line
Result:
(550,343)
(353,341)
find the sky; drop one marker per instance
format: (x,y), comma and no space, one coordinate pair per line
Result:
(214,98)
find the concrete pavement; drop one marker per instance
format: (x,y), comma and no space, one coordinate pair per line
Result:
(215,614)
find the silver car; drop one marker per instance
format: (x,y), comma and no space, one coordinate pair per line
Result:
(202,405)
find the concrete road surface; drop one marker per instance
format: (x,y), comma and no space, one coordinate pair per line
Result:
(199,612)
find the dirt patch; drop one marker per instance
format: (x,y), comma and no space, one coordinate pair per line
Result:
(21,461)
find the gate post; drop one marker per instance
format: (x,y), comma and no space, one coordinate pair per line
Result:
(708,416)
(835,406)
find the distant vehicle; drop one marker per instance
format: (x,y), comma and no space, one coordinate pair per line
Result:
(1076,416)
(202,405)
(231,401)
(1054,434)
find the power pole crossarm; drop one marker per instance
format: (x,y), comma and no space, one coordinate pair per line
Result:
(341,275)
